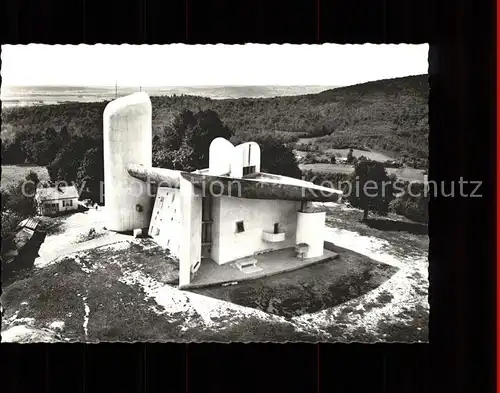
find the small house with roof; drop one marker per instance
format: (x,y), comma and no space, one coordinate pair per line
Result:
(52,201)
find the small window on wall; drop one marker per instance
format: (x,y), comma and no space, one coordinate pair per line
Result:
(276,227)
(240,227)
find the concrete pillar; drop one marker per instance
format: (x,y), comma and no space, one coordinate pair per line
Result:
(310,230)
(190,243)
(127,140)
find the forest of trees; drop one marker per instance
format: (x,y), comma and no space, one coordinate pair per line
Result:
(388,115)
(183,144)
(18,202)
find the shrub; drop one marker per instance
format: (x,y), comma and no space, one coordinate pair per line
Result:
(350,156)
(377,197)
(414,206)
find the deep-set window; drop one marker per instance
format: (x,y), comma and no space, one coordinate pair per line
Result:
(240,227)
(276,227)
(248,170)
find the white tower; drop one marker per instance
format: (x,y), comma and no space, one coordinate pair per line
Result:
(127,140)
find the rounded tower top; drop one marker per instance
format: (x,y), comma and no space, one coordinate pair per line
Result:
(133,104)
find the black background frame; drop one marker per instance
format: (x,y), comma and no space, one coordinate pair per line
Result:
(461,353)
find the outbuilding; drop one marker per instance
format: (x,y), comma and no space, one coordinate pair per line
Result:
(52,201)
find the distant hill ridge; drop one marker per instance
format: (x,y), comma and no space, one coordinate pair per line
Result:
(388,115)
(415,84)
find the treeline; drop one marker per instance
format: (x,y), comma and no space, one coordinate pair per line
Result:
(388,115)
(182,144)
(410,142)
(18,203)
(35,148)
(84,119)
(68,156)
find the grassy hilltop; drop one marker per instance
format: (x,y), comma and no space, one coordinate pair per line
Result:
(387,115)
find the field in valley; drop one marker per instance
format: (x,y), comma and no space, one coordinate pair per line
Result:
(371,155)
(404,173)
(13,174)
(408,174)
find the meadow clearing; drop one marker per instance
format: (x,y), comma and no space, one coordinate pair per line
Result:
(407,174)
(12,174)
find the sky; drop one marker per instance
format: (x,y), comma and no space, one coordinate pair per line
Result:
(208,65)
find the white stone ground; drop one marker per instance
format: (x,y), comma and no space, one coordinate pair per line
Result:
(68,239)
(217,314)
(400,285)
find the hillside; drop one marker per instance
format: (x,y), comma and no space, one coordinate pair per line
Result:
(386,115)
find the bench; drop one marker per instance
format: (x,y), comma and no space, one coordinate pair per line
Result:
(247,265)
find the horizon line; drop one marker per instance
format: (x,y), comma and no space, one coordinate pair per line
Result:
(208,85)
(170,86)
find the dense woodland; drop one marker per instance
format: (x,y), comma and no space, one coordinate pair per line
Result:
(17,205)
(388,115)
